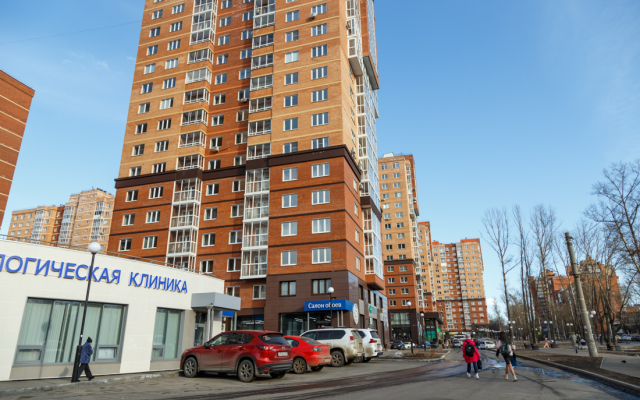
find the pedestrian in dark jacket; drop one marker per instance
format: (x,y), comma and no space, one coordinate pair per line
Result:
(85,359)
(471,360)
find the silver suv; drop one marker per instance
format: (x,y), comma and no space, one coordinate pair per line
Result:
(345,344)
(371,342)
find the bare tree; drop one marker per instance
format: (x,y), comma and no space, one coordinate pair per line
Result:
(496,225)
(525,261)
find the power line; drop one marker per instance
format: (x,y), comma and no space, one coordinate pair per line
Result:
(73,33)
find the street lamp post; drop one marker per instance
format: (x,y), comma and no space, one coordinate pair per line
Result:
(94,248)
(424,333)
(330,291)
(410,335)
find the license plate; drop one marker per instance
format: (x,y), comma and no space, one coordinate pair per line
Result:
(282,354)
(327,360)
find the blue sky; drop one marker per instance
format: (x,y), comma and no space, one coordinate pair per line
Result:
(501,102)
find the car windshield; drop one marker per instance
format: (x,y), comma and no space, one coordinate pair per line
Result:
(273,339)
(309,340)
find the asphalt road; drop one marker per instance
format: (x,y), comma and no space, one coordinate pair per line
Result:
(385,380)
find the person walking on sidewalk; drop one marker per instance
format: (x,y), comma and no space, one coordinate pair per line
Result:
(505,347)
(574,341)
(471,356)
(85,359)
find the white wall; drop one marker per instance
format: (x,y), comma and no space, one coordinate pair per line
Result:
(141,301)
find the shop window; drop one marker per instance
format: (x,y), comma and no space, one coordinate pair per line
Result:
(166,335)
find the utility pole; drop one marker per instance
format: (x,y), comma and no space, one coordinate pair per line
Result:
(593,349)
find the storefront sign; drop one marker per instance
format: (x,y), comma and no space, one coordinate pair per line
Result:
(17,264)
(323,305)
(373,311)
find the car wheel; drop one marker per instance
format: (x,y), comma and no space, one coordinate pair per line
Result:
(358,359)
(246,371)
(190,367)
(277,375)
(337,358)
(317,369)
(366,359)
(299,365)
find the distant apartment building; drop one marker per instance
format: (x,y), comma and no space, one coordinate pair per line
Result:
(15,102)
(402,271)
(250,154)
(459,285)
(432,320)
(85,218)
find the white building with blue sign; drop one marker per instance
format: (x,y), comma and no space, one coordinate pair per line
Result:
(140,316)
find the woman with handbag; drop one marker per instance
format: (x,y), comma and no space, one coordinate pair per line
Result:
(506,348)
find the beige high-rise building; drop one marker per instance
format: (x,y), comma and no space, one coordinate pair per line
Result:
(85,218)
(459,285)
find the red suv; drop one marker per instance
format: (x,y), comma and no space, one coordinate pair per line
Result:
(245,353)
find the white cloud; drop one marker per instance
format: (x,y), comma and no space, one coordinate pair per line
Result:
(491,301)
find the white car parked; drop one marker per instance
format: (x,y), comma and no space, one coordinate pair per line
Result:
(371,342)
(345,344)
(486,344)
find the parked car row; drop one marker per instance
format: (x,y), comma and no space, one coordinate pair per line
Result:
(252,353)
(635,338)
(486,344)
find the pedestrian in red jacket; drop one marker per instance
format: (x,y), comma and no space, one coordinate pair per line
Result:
(471,355)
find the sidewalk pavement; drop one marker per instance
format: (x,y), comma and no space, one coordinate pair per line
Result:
(43,385)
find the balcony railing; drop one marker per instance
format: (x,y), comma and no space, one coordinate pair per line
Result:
(254,271)
(184,221)
(182,247)
(186,195)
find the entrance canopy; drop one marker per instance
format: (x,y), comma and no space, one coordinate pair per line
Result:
(219,301)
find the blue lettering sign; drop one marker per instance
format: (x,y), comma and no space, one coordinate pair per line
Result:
(115,274)
(9,263)
(26,262)
(105,275)
(69,270)
(82,266)
(59,270)
(45,266)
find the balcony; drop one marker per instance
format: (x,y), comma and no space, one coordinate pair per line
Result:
(374,282)
(190,162)
(191,195)
(262,7)
(182,248)
(260,127)
(355,60)
(184,221)
(254,264)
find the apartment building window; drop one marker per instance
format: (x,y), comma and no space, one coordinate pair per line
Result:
(151,50)
(241,138)
(162,146)
(289,200)
(288,288)
(149,68)
(156,14)
(245,73)
(217,120)
(386,206)
(125,244)
(222,59)
(233,264)
(319,9)
(202,74)
(389,247)
(321,225)
(235,237)
(320,197)
(320,119)
(224,39)
(391,280)
(289,257)
(319,95)
(290,174)
(150,242)
(248,16)
(146,88)
(244,94)
(169,83)
(219,99)
(320,143)
(210,213)
(396,175)
(392,292)
(135,171)
(320,286)
(290,228)
(398,204)
(291,16)
(244,54)
(319,30)
(166,103)
(292,56)
(318,73)
(246,34)
(389,269)
(242,116)
(357,236)
(397,194)
(128,219)
(290,79)
(291,36)
(155,192)
(262,61)
(399,215)
(174,44)
(154,32)
(321,256)
(290,124)
(225,21)
(261,82)
(164,124)
(320,170)
(212,189)
(237,210)
(138,150)
(355,208)
(225,4)
(178,9)
(208,239)
(290,101)
(214,164)
(319,51)
(153,216)
(238,185)
(177,26)
(405,302)
(132,195)
(259,292)
(221,78)
(206,267)
(402,257)
(290,147)
(239,160)
(141,128)
(389,258)
(383,166)
(159,167)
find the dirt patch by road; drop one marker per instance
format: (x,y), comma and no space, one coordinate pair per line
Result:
(591,364)
(417,355)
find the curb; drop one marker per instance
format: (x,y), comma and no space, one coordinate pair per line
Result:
(622,386)
(401,359)
(97,381)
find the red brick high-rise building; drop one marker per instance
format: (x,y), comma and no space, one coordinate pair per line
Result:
(250,153)
(15,102)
